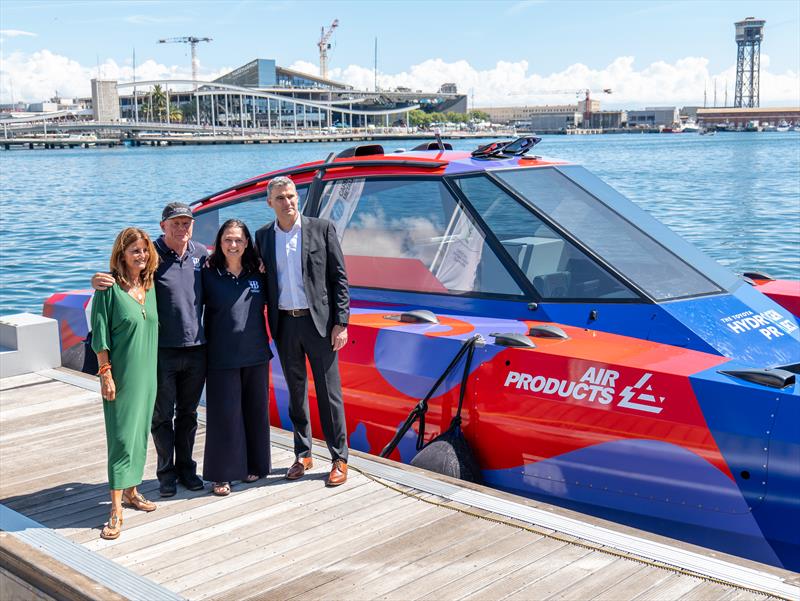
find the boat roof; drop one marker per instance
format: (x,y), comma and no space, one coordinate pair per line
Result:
(371,159)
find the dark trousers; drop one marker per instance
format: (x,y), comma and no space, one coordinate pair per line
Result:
(237,423)
(181,375)
(299,339)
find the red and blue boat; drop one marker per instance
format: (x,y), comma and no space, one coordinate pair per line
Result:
(618,370)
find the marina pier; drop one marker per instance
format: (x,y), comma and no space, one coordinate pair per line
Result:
(393,531)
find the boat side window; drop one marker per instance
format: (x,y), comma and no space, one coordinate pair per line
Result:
(555,267)
(625,247)
(255,212)
(411,234)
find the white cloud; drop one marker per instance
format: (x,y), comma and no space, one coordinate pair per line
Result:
(512,83)
(14,33)
(37,76)
(148,20)
(522,6)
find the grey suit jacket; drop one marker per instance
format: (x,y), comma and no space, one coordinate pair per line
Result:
(324,275)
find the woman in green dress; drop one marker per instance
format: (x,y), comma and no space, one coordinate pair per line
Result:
(125,338)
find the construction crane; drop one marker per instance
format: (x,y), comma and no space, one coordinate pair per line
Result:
(188,40)
(324,46)
(587,107)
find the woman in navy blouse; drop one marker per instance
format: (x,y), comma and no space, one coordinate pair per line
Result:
(237,382)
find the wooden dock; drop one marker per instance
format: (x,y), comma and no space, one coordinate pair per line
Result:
(372,538)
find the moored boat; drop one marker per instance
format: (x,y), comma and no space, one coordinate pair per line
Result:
(614,367)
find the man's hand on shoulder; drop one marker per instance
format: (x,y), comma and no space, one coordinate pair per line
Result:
(102,281)
(338,337)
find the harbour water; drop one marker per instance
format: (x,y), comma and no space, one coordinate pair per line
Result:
(735,195)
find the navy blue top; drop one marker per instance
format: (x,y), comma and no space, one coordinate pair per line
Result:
(234,319)
(179,293)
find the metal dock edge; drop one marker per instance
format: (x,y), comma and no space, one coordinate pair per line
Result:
(655,553)
(93,565)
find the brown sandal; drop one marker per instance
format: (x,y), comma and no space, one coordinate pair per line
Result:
(137,501)
(113,528)
(251,478)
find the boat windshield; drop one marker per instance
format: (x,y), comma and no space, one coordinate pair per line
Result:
(627,245)
(254,211)
(555,266)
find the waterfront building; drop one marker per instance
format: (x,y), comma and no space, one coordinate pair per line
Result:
(545,117)
(262,94)
(654,116)
(554,116)
(607,120)
(742,117)
(105,100)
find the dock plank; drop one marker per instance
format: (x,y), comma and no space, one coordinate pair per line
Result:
(506,565)
(706,591)
(319,561)
(225,527)
(592,586)
(676,586)
(635,584)
(529,571)
(59,398)
(590,565)
(742,595)
(293,548)
(385,563)
(276,539)
(448,564)
(20,381)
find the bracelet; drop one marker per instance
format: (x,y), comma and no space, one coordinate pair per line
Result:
(104,368)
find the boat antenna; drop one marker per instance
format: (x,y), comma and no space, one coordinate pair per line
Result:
(438,133)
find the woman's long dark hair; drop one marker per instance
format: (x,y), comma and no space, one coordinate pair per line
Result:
(250,261)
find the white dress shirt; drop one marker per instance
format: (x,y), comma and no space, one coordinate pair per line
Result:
(288,256)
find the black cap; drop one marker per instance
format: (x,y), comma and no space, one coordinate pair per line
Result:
(176,209)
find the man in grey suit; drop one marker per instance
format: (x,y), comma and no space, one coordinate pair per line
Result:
(308,304)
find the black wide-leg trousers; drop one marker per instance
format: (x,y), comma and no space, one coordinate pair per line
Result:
(237,423)
(299,339)
(181,375)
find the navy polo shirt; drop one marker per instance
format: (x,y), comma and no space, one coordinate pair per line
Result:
(234,319)
(179,294)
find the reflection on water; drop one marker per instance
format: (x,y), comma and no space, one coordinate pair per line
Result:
(735,195)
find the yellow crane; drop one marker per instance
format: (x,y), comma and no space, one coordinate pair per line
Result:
(324,46)
(188,40)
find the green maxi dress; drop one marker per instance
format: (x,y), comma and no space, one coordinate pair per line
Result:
(129,332)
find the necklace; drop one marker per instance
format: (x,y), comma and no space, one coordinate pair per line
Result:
(137,293)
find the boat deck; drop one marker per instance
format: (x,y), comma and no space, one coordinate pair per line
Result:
(391,532)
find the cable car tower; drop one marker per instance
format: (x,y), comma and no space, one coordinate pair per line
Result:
(749,34)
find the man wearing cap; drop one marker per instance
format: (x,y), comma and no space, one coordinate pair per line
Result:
(181,347)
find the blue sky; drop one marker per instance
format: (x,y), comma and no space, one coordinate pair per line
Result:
(635,47)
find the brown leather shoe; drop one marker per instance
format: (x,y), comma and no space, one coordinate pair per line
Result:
(299,468)
(338,473)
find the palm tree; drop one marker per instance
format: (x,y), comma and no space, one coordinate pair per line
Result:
(156,107)
(175,114)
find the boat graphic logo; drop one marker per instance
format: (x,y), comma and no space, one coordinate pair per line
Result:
(646,395)
(596,384)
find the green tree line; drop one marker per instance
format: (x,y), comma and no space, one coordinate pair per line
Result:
(423,119)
